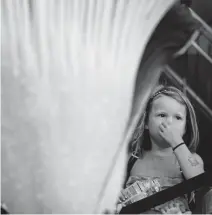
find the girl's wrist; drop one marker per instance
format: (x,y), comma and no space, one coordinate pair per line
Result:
(178,145)
(175,143)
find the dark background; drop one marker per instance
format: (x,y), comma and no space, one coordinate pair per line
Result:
(196,71)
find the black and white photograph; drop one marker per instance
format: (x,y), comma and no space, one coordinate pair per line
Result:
(106,107)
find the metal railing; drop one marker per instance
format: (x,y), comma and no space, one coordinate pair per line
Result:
(206,31)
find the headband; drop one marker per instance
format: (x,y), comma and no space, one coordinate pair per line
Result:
(164,90)
(159,92)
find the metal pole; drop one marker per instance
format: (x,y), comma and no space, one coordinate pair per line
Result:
(172,75)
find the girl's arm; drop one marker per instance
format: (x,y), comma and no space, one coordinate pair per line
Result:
(191,164)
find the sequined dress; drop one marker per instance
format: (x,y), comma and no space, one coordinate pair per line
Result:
(152,174)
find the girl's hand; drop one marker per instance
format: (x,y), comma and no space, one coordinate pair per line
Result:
(171,135)
(122,198)
(174,208)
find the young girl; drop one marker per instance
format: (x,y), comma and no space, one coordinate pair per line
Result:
(164,149)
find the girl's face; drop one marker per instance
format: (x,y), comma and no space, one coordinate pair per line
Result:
(169,111)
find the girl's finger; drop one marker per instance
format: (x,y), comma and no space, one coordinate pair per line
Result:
(124,196)
(121,199)
(161,128)
(164,125)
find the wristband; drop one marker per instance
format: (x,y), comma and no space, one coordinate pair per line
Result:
(178,146)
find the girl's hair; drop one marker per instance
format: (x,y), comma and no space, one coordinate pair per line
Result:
(141,140)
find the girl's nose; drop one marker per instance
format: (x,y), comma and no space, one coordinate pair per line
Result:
(169,120)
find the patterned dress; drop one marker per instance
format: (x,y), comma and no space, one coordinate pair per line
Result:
(152,174)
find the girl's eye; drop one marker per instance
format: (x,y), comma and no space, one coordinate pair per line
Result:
(178,117)
(161,115)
